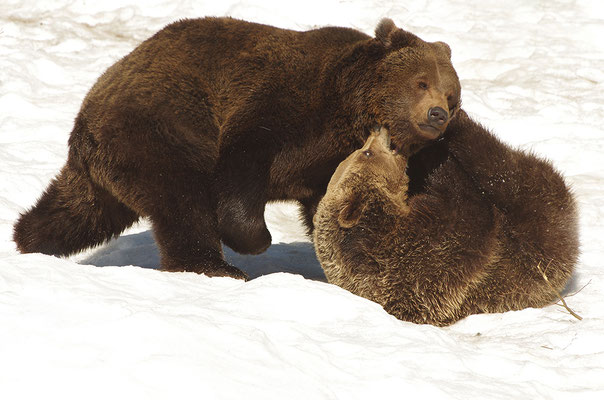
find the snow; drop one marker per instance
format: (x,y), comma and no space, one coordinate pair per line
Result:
(108,324)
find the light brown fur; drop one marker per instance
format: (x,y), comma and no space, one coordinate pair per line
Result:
(468,241)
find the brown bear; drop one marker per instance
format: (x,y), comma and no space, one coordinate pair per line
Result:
(208,120)
(473,239)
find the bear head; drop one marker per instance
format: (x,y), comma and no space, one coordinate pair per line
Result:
(416,89)
(372,175)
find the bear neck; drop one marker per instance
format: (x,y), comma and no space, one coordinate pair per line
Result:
(350,82)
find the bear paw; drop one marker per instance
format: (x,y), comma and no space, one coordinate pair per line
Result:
(243,232)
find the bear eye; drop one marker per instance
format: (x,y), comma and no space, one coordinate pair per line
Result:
(423,85)
(367,153)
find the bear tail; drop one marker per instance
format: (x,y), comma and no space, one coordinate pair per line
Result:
(71,215)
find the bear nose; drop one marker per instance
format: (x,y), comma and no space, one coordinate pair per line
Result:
(437,116)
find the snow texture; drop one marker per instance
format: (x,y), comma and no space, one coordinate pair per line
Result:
(107,324)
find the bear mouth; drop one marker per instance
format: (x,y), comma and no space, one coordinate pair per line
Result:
(388,142)
(403,146)
(394,149)
(429,132)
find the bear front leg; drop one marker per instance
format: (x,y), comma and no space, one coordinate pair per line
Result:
(492,166)
(240,194)
(519,184)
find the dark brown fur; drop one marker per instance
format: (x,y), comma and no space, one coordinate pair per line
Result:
(469,240)
(208,120)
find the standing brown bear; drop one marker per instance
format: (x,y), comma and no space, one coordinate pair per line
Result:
(208,120)
(472,239)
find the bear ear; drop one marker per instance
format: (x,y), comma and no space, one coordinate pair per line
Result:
(444,48)
(384,31)
(350,214)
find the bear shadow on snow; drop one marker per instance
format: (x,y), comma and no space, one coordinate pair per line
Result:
(140,249)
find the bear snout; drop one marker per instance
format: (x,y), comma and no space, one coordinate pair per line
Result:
(437,116)
(436,120)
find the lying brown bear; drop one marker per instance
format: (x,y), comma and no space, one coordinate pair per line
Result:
(472,240)
(207,121)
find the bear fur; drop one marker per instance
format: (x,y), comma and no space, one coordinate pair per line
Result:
(469,239)
(208,120)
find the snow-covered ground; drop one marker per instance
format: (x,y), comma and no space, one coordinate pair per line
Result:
(100,326)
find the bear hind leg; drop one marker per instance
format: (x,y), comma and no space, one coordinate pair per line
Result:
(185,230)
